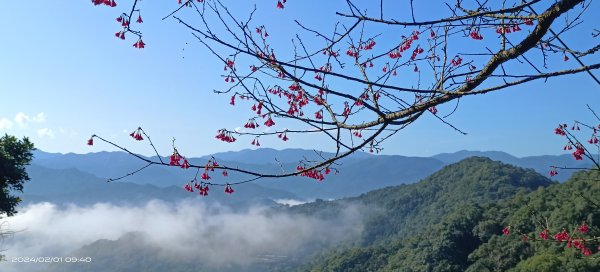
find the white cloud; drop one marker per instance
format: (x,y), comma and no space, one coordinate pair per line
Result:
(5,124)
(290,202)
(68,132)
(45,132)
(22,119)
(45,229)
(39,118)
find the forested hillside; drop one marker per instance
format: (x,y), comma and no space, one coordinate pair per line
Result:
(453,221)
(450,221)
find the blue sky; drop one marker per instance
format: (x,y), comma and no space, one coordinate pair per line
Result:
(65,77)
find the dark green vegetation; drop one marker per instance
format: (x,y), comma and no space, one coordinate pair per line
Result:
(15,154)
(450,221)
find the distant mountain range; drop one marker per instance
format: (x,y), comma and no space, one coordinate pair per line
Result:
(81,178)
(72,186)
(540,164)
(451,220)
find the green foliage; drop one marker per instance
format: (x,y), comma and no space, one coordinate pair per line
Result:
(444,248)
(432,225)
(452,221)
(498,254)
(15,154)
(546,261)
(355,259)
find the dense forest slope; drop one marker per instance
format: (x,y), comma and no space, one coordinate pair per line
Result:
(449,221)
(453,220)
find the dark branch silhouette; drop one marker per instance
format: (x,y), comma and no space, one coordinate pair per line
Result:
(345,84)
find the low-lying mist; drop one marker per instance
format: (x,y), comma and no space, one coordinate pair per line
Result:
(211,234)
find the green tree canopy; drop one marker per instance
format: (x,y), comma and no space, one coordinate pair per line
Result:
(15,154)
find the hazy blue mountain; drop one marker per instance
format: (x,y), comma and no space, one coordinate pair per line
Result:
(540,164)
(64,186)
(360,176)
(114,164)
(290,155)
(360,173)
(102,164)
(450,158)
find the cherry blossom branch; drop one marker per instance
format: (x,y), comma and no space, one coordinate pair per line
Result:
(581,150)
(471,15)
(355,78)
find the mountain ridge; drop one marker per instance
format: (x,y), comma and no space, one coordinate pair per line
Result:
(353,177)
(72,186)
(464,205)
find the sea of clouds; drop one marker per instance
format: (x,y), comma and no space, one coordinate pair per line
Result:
(215,234)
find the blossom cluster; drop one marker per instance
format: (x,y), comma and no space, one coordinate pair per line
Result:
(571,240)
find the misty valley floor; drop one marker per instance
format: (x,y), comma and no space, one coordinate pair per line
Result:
(451,220)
